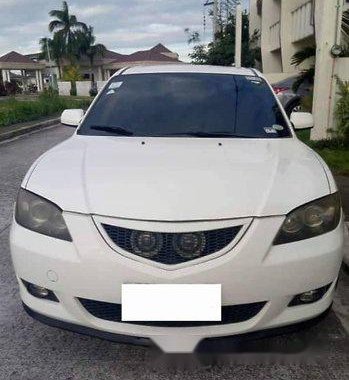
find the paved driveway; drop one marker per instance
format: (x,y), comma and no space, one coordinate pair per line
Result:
(31,351)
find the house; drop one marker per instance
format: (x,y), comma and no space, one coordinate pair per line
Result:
(286,27)
(15,66)
(105,66)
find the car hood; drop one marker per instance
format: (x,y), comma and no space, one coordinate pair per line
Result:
(179,179)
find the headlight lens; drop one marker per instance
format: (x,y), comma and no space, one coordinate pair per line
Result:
(40,215)
(145,243)
(312,219)
(189,245)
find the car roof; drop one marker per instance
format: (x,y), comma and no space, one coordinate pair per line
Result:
(187,68)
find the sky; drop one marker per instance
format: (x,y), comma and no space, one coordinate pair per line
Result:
(121,25)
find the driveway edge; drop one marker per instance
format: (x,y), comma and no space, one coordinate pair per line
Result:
(22,129)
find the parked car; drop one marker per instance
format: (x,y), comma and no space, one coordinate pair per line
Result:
(290,99)
(183,209)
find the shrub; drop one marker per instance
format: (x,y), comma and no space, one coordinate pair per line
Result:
(12,88)
(48,103)
(342,112)
(32,88)
(2,90)
(72,74)
(93,91)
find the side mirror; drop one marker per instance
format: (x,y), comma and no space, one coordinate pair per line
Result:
(72,117)
(302,120)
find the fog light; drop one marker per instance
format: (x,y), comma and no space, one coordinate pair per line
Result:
(189,245)
(40,292)
(310,296)
(145,243)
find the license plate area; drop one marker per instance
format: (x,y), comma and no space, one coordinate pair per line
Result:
(171,302)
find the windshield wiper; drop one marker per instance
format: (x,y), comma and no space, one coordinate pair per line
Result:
(208,134)
(114,130)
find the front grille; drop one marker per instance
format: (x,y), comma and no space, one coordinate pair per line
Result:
(212,241)
(230,314)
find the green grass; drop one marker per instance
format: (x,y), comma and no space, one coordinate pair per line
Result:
(334,152)
(337,160)
(14,111)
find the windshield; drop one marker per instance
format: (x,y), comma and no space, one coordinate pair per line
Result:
(186,104)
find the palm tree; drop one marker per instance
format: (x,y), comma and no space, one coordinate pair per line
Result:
(53,48)
(310,52)
(345,24)
(89,48)
(66,26)
(297,59)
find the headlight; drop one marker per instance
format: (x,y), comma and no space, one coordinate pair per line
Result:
(40,215)
(313,219)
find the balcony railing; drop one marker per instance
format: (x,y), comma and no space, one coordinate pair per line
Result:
(303,21)
(274,36)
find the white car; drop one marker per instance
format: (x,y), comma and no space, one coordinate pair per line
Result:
(184,209)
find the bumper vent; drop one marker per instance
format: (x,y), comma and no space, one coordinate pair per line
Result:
(230,314)
(171,248)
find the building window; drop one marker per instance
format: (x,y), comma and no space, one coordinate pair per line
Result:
(86,76)
(259,7)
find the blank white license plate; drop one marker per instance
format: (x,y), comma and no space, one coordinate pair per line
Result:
(171,302)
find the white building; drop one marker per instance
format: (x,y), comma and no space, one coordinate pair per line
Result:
(287,26)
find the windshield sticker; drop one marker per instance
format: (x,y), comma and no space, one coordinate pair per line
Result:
(278,127)
(110,92)
(255,80)
(269,130)
(115,85)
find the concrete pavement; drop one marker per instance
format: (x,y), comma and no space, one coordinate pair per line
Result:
(32,351)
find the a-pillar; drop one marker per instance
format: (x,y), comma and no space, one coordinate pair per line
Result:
(327,16)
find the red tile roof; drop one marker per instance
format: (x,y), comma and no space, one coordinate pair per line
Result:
(153,54)
(14,57)
(160,48)
(109,54)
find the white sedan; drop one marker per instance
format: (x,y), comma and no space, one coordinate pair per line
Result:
(184,209)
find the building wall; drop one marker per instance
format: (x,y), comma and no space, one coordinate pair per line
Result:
(64,88)
(83,88)
(255,18)
(270,36)
(286,26)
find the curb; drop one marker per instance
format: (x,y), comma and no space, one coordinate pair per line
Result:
(24,129)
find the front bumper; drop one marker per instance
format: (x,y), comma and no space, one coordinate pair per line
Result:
(253,271)
(206,345)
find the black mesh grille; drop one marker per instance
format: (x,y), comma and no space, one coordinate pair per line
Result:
(215,240)
(230,314)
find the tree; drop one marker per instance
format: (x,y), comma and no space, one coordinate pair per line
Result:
(309,52)
(222,52)
(307,75)
(53,48)
(341,111)
(65,26)
(345,24)
(89,48)
(72,74)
